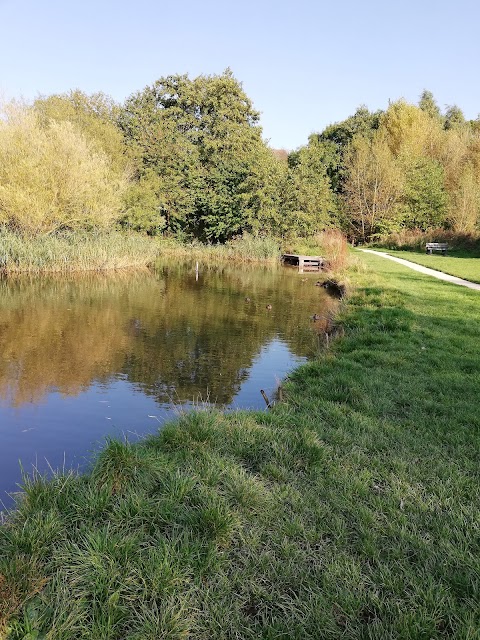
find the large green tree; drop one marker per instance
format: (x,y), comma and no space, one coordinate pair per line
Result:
(202,139)
(337,137)
(309,202)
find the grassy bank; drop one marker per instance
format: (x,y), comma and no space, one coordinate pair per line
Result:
(78,251)
(461,263)
(95,251)
(350,511)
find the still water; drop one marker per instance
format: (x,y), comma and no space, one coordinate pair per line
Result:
(117,355)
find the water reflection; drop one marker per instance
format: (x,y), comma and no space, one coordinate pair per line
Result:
(140,343)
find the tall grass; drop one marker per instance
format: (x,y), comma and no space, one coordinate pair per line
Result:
(244,249)
(331,244)
(70,251)
(103,250)
(74,251)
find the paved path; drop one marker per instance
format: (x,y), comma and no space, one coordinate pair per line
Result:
(430,272)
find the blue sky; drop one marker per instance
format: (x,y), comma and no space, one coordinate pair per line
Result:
(304,64)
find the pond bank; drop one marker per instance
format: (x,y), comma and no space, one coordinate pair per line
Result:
(74,252)
(67,252)
(350,508)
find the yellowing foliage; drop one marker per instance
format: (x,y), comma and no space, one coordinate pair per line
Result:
(52,177)
(409,130)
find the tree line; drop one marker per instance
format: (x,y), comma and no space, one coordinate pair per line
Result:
(185,157)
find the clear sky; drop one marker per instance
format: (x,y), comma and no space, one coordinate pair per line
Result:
(304,63)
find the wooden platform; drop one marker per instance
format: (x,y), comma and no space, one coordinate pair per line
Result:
(304,263)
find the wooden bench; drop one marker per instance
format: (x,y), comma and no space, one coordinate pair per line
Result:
(436,246)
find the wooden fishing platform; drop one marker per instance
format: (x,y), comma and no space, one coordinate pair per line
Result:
(304,263)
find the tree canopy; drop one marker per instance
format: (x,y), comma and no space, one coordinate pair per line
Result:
(185,157)
(202,140)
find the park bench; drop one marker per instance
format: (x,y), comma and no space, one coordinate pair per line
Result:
(436,246)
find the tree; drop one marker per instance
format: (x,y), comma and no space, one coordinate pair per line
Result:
(454,117)
(94,115)
(424,197)
(143,207)
(363,123)
(373,187)
(337,138)
(428,104)
(309,203)
(203,138)
(464,211)
(159,149)
(54,178)
(408,130)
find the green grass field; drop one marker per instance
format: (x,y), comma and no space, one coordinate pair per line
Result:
(350,511)
(458,263)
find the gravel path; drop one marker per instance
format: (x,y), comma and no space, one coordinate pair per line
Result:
(430,272)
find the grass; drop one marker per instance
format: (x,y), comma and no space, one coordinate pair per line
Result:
(244,249)
(330,244)
(348,511)
(102,251)
(74,251)
(461,263)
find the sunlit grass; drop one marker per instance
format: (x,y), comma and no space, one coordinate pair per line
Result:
(79,251)
(244,249)
(458,263)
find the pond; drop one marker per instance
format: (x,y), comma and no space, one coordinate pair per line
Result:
(83,358)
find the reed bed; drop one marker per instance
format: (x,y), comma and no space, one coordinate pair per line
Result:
(330,244)
(243,249)
(68,252)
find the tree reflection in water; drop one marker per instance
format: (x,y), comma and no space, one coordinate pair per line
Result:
(163,330)
(88,356)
